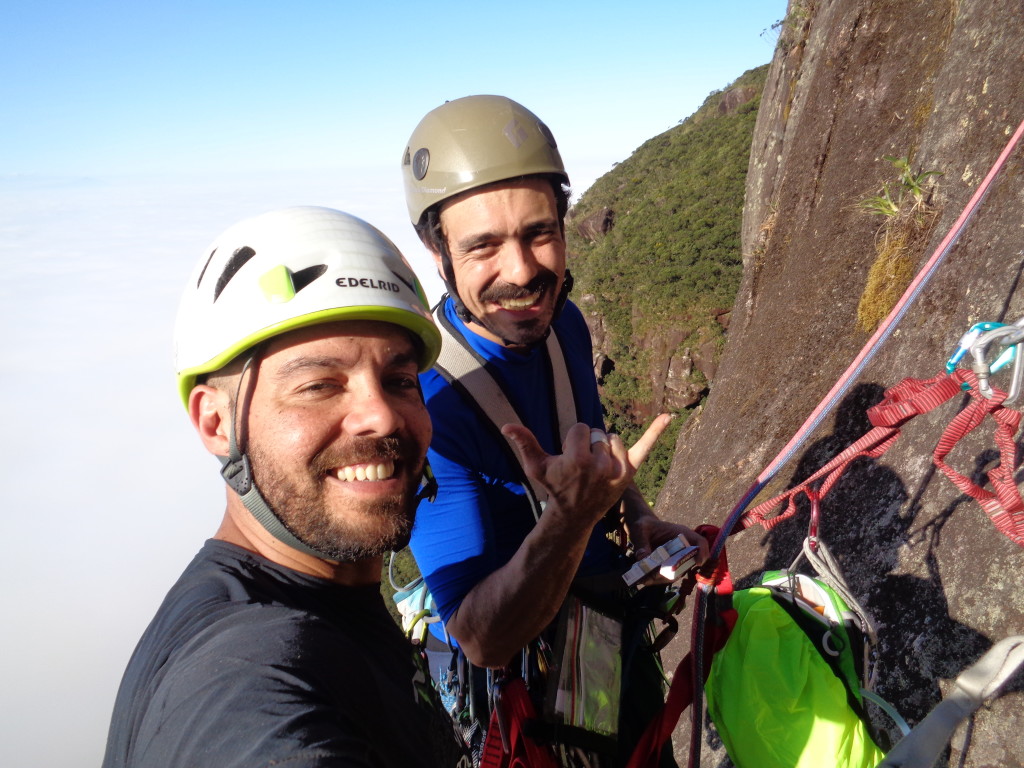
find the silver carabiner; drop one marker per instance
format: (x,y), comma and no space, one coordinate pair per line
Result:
(1010,337)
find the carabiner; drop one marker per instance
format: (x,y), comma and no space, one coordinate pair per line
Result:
(967,341)
(1018,371)
(1009,336)
(501,716)
(812,526)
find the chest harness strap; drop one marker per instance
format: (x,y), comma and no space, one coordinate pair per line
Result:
(471,376)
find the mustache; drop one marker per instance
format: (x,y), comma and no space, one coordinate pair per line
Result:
(502,291)
(359,450)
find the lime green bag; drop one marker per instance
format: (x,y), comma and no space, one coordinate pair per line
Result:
(785,692)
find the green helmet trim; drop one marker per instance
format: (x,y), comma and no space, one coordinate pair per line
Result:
(422,329)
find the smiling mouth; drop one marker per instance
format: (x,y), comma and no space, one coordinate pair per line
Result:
(519,304)
(366,472)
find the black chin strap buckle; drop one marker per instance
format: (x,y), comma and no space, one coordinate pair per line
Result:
(428,485)
(237,473)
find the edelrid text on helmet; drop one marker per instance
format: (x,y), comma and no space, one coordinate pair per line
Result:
(472,142)
(289,269)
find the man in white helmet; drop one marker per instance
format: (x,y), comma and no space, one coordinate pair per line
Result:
(297,346)
(519,522)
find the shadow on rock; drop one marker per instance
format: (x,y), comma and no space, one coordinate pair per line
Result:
(868,523)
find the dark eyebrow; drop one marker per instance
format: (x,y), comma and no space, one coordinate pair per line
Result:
(398,359)
(482,238)
(301,364)
(402,359)
(471,242)
(541,226)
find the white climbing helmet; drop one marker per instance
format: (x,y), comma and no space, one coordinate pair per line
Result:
(289,269)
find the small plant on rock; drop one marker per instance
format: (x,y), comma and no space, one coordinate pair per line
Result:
(909,216)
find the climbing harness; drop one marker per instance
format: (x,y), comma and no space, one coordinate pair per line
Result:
(575,671)
(1001,505)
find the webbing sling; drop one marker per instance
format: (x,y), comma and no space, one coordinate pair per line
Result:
(979,683)
(506,745)
(469,374)
(901,403)
(909,398)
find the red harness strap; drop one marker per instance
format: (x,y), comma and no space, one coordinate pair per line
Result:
(647,752)
(506,745)
(1004,505)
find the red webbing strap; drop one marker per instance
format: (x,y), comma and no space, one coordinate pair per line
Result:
(647,752)
(909,398)
(493,752)
(512,708)
(1004,505)
(912,397)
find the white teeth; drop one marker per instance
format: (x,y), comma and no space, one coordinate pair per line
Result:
(369,472)
(523,303)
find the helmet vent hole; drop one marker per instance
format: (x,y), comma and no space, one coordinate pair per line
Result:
(205,266)
(235,263)
(304,277)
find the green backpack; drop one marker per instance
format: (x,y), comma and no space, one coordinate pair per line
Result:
(784,691)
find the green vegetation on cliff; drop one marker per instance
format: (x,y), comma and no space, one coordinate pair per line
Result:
(656,244)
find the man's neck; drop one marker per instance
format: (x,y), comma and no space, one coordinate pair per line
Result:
(240,528)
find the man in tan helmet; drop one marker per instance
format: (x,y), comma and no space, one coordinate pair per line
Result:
(525,470)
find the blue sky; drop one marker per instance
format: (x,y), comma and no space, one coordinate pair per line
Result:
(123,87)
(130,136)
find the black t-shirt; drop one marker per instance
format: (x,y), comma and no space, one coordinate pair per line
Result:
(251,664)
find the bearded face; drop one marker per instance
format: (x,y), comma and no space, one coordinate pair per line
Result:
(338,435)
(367,525)
(507,253)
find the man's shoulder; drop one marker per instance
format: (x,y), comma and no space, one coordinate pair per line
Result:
(571,322)
(228,605)
(242,665)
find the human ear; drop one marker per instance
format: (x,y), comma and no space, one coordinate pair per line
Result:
(209,409)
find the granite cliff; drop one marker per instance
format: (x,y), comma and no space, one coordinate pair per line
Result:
(853,82)
(937,85)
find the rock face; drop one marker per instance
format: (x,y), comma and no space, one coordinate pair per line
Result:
(852,82)
(735,98)
(596,225)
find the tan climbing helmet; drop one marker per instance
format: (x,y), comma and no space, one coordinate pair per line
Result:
(471,142)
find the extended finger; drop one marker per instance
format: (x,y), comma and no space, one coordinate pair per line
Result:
(579,442)
(531,455)
(619,456)
(642,447)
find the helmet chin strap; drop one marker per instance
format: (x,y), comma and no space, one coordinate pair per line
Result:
(236,468)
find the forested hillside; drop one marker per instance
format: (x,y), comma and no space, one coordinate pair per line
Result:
(655,249)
